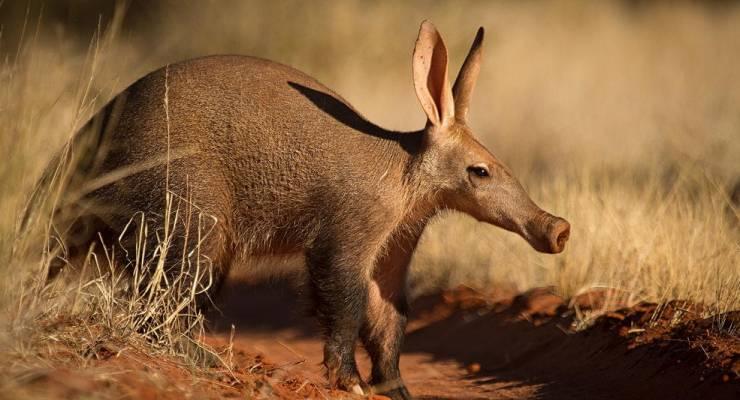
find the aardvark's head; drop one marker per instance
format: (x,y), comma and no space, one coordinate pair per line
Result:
(470,178)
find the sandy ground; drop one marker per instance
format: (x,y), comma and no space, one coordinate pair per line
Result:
(461,344)
(467,345)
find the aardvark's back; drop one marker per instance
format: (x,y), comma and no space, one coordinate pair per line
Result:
(258,145)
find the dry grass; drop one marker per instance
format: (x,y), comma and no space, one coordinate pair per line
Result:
(104,309)
(622,119)
(145,306)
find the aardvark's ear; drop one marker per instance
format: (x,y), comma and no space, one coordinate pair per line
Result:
(465,82)
(430,76)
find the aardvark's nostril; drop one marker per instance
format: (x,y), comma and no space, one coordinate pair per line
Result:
(559,235)
(563,237)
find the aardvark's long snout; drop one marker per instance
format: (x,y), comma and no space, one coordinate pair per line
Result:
(547,233)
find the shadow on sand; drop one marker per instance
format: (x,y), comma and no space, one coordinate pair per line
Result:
(512,352)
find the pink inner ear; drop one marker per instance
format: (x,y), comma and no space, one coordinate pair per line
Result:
(421,84)
(430,75)
(438,76)
(422,81)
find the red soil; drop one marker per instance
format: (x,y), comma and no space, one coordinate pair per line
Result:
(462,344)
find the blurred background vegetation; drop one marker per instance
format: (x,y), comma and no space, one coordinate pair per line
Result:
(621,116)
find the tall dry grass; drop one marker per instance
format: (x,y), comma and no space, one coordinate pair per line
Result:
(621,118)
(149,304)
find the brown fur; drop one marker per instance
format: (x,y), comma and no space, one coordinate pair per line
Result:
(285,165)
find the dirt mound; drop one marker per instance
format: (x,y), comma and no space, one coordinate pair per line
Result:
(641,352)
(117,370)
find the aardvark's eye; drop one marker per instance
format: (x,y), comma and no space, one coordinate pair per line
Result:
(479,170)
